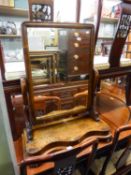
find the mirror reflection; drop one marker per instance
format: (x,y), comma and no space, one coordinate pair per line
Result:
(59,54)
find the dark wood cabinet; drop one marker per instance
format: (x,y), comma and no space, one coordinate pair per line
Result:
(75,51)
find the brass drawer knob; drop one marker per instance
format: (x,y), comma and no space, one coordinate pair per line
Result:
(76,57)
(76,44)
(76,34)
(78,39)
(76,68)
(87,32)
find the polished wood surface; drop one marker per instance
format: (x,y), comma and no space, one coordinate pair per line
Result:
(12,88)
(67,132)
(111,109)
(103,146)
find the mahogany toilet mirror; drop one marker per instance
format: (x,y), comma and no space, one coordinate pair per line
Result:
(51,52)
(59,56)
(57,53)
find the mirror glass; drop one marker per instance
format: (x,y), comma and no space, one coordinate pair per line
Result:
(58,55)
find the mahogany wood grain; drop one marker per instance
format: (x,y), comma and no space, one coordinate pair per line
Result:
(102,146)
(11,88)
(108,107)
(46,137)
(113,110)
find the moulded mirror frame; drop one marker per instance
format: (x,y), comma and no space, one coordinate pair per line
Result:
(30,88)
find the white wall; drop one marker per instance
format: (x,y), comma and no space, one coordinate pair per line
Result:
(65,10)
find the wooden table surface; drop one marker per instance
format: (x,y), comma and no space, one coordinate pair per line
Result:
(111,109)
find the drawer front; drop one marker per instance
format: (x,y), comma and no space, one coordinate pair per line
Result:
(80,35)
(79,45)
(78,69)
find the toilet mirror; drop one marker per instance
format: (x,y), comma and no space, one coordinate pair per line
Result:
(57,53)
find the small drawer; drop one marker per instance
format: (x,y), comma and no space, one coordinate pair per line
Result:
(81,52)
(79,44)
(83,34)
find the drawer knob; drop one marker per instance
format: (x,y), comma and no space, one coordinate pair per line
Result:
(76,57)
(76,68)
(76,44)
(78,38)
(87,32)
(76,34)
